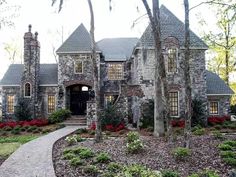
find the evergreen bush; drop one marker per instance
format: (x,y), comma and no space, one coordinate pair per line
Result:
(59,116)
(22,111)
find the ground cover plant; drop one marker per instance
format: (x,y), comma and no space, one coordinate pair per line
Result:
(156,155)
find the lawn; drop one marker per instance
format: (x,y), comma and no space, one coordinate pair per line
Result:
(7,149)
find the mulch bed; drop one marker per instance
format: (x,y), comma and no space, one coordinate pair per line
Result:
(156,155)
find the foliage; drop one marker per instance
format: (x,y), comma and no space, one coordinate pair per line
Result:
(230,161)
(138,170)
(91,169)
(114,167)
(217,120)
(169,173)
(8,148)
(16,131)
(181,153)
(230,142)
(199,132)
(199,113)
(217,134)
(112,116)
(86,153)
(69,156)
(227,154)
(205,173)
(178,123)
(71,140)
(76,161)
(132,136)
(34,122)
(7,128)
(22,111)
(82,130)
(59,116)
(225,147)
(102,157)
(147,111)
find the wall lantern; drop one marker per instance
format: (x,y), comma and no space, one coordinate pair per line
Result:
(91,93)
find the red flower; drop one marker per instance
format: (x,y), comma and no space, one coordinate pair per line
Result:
(93,126)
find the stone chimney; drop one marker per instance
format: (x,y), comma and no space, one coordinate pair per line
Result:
(31,69)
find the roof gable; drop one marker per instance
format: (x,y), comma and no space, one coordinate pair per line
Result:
(117,49)
(170,26)
(78,41)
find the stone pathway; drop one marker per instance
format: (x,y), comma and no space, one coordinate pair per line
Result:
(34,159)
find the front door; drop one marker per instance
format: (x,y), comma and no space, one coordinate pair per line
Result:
(78,99)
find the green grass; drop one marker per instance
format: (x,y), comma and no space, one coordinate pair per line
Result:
(18,139)
(7,149)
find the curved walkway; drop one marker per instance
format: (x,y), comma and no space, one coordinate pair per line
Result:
(34,159)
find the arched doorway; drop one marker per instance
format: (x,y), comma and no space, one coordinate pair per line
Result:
(79,96)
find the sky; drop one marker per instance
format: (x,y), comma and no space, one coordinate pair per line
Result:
(54,27)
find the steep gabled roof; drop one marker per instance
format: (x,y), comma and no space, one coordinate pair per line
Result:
(216,86)
(170,26)
(78,41)
(48,75)
(117,49)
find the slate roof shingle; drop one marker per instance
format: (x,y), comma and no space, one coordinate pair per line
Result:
(215,85)
(170,26)
(117,49)
(79,40)
(48,75)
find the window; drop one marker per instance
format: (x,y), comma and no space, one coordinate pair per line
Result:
(172,60)
(27,90)
(51,103)
(110,99)
(10,104)
(174,103)
(85,88)
(214,107)
(78,67)
(115,71)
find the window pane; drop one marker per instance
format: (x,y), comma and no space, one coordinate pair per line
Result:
(27,90)
(115,71)
(174,101)
(78,67)
(51,103)
(10,104)
(172,60)
(110,99)
(214,107)
(84,88)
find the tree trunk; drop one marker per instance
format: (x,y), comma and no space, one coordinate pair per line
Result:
(188,96)
(160,83)
(96,78)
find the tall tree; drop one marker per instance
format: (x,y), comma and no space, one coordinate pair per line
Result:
(187,79)
(96,76)
(161,91)
(222,41)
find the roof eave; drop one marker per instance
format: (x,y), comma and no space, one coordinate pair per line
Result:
(77,52)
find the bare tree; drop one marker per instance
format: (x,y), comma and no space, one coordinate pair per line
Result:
(98,136)
(187,79)
(161,90)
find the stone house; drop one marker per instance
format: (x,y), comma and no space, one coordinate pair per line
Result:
(126,66)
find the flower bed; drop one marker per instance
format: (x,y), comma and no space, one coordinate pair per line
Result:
(178,123)
(110,127)
(217,119)
(34,122)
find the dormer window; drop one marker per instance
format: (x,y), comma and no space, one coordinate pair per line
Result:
(27,90)
(172,60)
(78,67)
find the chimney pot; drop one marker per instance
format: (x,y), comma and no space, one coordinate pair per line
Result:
(30,26)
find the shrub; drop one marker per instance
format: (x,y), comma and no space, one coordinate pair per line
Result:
(79,149)
(178,123)
(225,147)
(231,143)
(7,128)
(132,136)
(102,157)
(91,169)
(181,153)
(66,151)
(71,140)
(218,127)
(15,131)
(147,114)
(139,170)
(205,173)
(134,146)
(113,117)
(230,161)
(76,161)
(169,173)
(69,156)
(83,130)
(59,116)
(199,113)
(227,154)
(199,132)
(22,111)
(114,167)
(217,134)
(85,154)
(79,138)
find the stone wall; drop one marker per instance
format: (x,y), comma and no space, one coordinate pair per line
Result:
(15,91)
(224,103)
(143,71)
